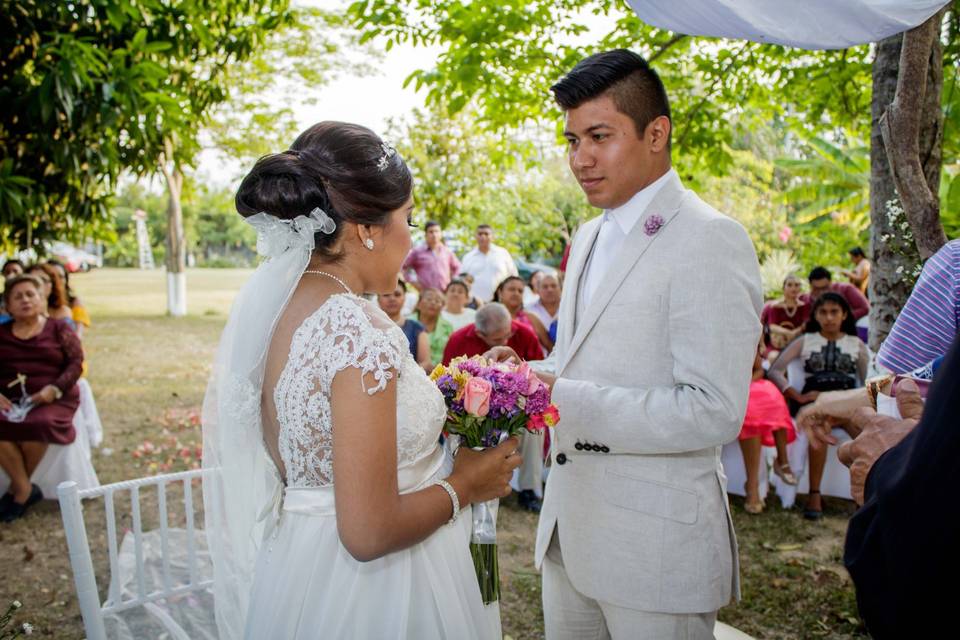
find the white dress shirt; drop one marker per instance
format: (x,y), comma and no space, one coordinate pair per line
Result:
(488,270)
(616,226)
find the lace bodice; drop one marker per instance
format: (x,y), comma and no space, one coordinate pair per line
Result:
(348,331)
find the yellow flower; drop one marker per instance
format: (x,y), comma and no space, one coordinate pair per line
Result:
(460,377)
(438,371)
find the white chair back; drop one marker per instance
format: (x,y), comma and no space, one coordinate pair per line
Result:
(143,591)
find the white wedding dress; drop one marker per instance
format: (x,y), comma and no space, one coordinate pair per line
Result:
(305,584)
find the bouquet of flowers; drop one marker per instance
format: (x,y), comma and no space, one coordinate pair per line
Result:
(488,402)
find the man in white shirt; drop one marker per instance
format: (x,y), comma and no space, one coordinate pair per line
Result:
(488,264)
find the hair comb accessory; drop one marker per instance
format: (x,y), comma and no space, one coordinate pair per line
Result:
(388,153)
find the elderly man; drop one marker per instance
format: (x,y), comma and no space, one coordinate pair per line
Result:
(431,265)
(548,305)
(489,264)
(493,327)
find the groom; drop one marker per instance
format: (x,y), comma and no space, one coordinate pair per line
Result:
(658,328)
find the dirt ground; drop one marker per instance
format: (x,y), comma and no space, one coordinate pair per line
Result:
(148,374)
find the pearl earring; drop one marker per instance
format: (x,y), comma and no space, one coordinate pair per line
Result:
(368,243)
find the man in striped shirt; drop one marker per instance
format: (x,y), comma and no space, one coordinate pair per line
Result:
(927,325)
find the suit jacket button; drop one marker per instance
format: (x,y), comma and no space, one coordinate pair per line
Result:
(605,449)
(561,458)
(579,446)
(590,447)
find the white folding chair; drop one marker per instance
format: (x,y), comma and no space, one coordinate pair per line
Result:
(151,582)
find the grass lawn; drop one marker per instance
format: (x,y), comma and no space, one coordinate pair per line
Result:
(148,373)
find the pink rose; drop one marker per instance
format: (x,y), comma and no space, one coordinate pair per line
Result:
(476,397)
(533,382)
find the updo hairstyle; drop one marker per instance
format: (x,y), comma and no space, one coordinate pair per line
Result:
(334,166)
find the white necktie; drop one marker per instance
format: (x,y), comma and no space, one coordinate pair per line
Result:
(604,252)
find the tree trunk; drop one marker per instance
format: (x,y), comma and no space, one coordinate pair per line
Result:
(915,159)
(176,245)
(896,260)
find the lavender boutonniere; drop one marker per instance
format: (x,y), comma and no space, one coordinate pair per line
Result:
(652,224)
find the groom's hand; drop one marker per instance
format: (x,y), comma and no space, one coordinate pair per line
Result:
(503,354)
(547,379)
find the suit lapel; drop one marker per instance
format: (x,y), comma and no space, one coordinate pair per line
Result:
(666,204)
(579,254)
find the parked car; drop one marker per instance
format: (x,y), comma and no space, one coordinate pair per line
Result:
(74,259)
(527,269)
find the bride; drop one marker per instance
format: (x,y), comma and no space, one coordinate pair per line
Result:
(331,509)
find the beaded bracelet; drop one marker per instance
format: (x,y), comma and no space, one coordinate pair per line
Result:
(453,498)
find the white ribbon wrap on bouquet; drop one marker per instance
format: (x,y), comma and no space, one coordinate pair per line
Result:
(808,24)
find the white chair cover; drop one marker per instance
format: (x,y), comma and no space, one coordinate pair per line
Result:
(836,477)
(70,461)
(732,459)
(809,24)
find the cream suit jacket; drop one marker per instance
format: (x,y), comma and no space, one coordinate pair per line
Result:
(652,380)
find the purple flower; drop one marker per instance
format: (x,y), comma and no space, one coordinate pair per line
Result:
(652,224)
(538,401)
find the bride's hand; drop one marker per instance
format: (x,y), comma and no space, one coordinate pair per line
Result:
(479,476)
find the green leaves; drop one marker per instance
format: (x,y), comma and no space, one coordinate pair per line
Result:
(92,88)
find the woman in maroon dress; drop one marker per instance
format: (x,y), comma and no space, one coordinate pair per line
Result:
(43,357)
(783,320)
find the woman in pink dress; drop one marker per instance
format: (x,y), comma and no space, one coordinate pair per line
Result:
(40,362)
(766,424)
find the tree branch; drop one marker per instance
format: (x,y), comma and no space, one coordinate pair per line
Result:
(900,128)
(669,43)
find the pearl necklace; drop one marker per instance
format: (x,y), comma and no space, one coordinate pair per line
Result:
(330,275)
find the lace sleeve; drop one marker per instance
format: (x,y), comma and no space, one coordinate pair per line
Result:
(348,333)
(73,358)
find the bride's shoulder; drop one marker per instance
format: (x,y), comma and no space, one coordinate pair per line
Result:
(346,309)
(348,315)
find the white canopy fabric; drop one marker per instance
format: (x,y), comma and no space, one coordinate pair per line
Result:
(808,24)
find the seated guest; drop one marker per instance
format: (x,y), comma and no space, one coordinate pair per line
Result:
(41,357)
(547,306)
(833,359)
(11,268)
(901,547)
(820,283)
(474,302)
(509,293)
(783,319)
(80,316)
(494,328)
(55,294)
(767,423)
(530,294)
(392,305)
(456,311)
(927,324)
(437,328)
(860,275)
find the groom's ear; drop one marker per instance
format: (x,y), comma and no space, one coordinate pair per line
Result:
(657,134)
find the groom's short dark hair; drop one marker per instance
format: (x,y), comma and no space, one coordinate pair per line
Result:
(635,88)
